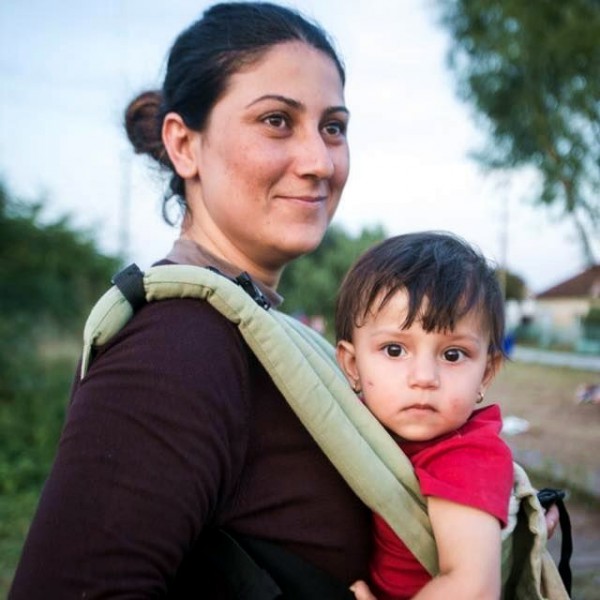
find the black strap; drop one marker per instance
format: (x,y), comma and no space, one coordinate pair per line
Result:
(259,570)
(245,578)
(298,579)
(547,498)
(130,282)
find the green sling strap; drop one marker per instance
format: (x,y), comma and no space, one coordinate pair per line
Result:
(303,367)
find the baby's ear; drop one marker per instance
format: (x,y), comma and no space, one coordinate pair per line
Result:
(491,369)
(346,357)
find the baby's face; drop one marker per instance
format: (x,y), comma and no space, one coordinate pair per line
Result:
(419,384)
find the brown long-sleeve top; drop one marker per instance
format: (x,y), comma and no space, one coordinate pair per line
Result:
(177,428)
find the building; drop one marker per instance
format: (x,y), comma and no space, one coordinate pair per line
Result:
(560,309)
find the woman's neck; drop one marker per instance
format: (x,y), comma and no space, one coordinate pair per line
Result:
(203,233)
(189,252)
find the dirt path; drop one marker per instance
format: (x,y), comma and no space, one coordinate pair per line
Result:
(585,563)
(562,443)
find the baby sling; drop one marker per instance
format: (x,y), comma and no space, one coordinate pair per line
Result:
(302,365)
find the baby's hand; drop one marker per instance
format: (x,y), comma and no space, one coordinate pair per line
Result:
(552,516)
(361,591)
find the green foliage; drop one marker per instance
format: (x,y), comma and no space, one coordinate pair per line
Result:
(47,270)
(531,70)
(512,284)
(591,324)
(310,284)
(593,317)
(50,275)
(15,516)
(31,423)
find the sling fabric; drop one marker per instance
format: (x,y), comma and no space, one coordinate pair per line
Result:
(302,365)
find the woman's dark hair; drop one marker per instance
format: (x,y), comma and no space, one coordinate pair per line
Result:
(445,278)
(227,37)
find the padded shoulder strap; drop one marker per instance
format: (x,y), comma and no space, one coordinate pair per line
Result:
(302,365)
(529,571)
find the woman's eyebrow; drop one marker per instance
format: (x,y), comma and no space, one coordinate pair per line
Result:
(289,101)
(295,104)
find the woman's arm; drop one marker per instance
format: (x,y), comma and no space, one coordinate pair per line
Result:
(152,446)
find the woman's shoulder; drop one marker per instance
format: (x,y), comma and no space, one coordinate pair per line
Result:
(184,340)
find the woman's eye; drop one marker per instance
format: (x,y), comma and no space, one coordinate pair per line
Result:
(454,355)
(335,129)
(277,121)
(393,350)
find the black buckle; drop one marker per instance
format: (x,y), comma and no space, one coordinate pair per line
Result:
(245,282)
(548,497)
(130,282)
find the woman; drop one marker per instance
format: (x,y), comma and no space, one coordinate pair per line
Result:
(177,430)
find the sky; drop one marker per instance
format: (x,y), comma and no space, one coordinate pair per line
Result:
(68,69)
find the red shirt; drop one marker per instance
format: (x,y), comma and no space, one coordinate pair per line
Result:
(470,466)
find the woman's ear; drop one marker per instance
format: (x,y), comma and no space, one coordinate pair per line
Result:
(181,144)
(346,357)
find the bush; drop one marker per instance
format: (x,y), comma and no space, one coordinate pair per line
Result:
(31,423)
(50,276)
(591,324)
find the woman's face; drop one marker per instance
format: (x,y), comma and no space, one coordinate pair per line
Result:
(271,162)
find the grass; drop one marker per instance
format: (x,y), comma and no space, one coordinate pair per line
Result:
(31,415)
(16,511)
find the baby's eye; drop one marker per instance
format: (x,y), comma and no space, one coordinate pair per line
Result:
(393,350)
(454,355)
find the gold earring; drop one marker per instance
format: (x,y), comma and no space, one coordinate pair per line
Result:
(479,398)
(356,388)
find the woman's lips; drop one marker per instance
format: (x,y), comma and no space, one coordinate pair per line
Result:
(307,199)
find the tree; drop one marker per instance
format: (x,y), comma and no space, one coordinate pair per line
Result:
(310,284)
(531,70)
(512,284)
(50,275)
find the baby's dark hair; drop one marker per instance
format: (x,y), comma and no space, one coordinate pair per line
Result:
(445,279)
(228,36)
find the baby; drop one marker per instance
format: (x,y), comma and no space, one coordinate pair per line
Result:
(419,328)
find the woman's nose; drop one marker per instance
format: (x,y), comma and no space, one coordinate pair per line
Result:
(314,157)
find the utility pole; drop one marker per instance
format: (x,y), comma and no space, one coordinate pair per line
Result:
(504,229)
(125,205)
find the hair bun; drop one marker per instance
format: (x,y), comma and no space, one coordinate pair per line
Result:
(143,125)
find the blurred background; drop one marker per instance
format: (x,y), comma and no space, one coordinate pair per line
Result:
(69,68)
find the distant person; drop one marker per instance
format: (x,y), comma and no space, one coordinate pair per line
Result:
(419,329)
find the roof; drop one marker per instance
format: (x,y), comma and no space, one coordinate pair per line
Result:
(584,285)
